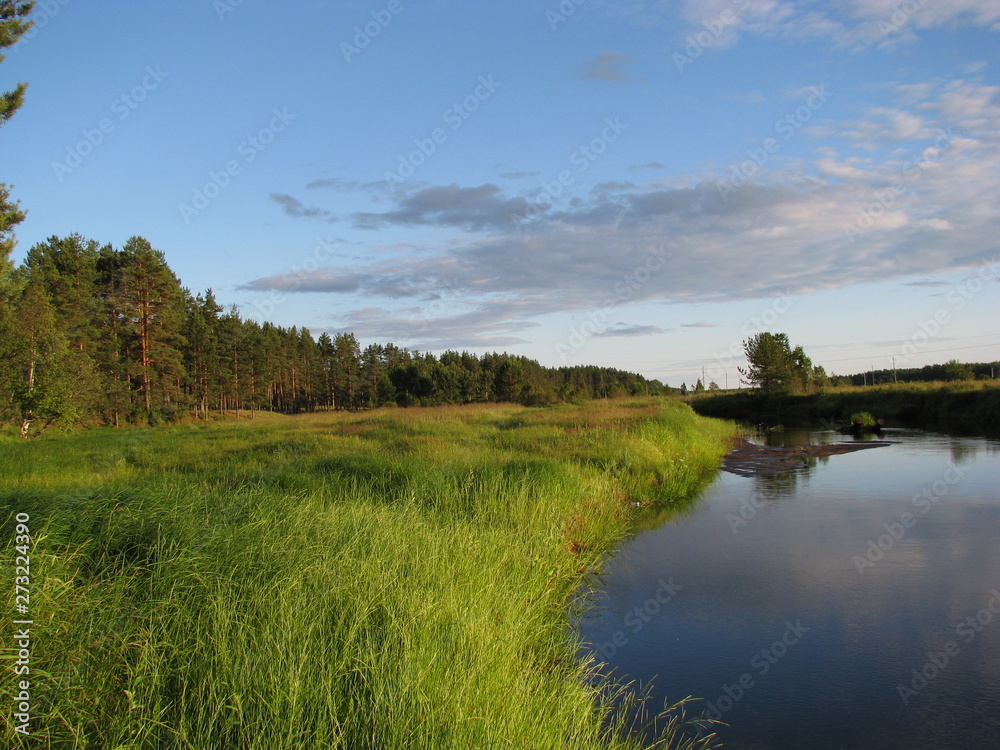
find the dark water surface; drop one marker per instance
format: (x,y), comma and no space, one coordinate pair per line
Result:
(854,603)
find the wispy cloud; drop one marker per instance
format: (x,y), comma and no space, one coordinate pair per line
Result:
(781,234)
(647,165)
(294,208)
(474,209)
(624,329)
(926,283)
(608,67)
(517,175)
(493,323)
(854,25)
(347,186)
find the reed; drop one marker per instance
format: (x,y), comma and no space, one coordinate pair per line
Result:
(399,578)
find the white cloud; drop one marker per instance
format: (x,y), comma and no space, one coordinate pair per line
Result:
(926,201)
(855,25)
(937,225)
(830,167)
(971,106)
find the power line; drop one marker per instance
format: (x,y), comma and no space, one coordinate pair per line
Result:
(924,351)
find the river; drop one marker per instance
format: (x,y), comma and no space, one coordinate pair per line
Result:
(853,603)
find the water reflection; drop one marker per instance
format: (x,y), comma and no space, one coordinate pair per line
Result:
(964,450)
(793,560)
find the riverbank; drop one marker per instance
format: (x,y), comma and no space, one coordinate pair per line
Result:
(970,408)
(387,579)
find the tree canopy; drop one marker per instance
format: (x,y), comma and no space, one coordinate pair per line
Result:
(13,25)
(774,367)
(105,335)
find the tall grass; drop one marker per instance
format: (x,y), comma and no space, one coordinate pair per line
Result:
(393,579)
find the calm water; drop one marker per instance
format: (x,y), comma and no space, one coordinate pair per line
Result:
(798,607)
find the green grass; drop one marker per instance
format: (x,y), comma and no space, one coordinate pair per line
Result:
(393,579)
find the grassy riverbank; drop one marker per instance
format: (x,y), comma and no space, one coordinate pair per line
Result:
(969,407)
(399,578)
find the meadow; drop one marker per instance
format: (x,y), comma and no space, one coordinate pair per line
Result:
(395,578)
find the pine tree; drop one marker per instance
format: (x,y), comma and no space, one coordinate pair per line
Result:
(202,358)
(35,323)
(346,370)
(10,216)
(328,358)
(13,25)
(310,369)
(148,305)
(252,379)
(56,385)
(376,387)
(113,360)
(772,365)
(67,269)
(234,359)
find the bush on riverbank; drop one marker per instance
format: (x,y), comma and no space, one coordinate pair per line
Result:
(970,407)
(390,579)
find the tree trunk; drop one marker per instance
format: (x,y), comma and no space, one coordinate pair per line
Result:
(144,355)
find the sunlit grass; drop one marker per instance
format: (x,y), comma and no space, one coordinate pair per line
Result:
(400,578)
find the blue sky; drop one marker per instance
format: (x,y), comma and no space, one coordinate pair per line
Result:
(634,184)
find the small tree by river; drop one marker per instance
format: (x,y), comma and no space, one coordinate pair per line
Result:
(773,366)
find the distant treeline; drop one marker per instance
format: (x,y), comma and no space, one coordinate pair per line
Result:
(93,334)
(969,407)
(949,371)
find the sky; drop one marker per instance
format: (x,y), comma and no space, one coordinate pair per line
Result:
(635,184)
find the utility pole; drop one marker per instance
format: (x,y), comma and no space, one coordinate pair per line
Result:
(894,370)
